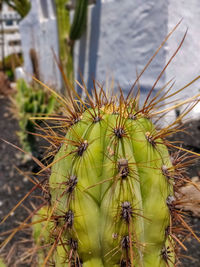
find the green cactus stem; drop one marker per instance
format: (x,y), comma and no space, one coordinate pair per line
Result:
(112,189)
(65,49)
(111,193)
(80,20)
(29,102)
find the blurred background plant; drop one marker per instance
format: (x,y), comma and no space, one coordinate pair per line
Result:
(2,263)
(22,7)
(10,63)
(30,101)
(69,32)
(65,51)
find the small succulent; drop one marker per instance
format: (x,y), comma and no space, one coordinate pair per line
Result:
(30,102)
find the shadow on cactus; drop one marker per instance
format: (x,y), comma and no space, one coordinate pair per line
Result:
(111,197)
(30,101)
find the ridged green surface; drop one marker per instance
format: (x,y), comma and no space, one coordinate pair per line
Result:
(80,19)
(30,102)
(65,50)
(118,201)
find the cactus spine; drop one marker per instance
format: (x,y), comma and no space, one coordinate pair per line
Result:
(111,190)
(111,198)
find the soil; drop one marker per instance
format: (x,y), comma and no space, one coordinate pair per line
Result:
(14,185)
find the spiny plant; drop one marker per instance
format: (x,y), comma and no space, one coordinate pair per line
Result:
(80,20)
(65,50)
(68,33)
(30,101)
(111,193)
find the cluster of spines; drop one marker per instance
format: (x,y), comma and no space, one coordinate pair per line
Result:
(174,175)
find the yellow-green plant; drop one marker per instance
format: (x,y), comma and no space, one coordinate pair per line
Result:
(2,264)
(112,189)
(111,195)
(20,6)
(30,102)
(65,50)
(69,32)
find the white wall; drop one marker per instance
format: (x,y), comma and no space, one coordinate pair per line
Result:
(186,65)
(39,31)
(121,38)
(123,35)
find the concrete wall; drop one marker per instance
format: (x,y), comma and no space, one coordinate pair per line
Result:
(123,35)
(39,32)
(186,65)
(121,38)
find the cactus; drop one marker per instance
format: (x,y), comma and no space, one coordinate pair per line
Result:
(111,194)
(80,20)
(30,102)
(110,190)
(65,50)
(67,34)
